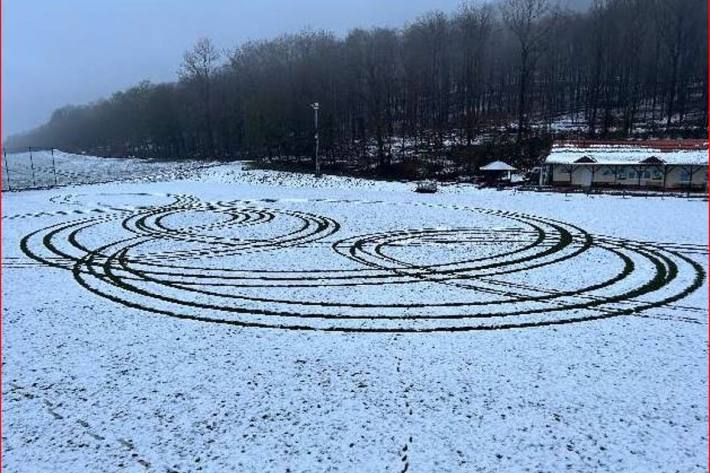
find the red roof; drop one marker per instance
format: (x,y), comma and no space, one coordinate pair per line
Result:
(661,145)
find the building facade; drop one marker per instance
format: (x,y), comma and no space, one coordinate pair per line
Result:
(652,164)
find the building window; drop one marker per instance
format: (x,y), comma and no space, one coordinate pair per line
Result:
(657,175)
(608,172)
(684,175)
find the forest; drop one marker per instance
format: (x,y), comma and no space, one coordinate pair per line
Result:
(439,95)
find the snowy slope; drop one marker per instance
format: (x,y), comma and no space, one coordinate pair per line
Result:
(241,320)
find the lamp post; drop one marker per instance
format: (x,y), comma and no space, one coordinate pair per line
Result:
(315,107)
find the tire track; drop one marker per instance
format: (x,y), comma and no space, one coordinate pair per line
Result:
(130,272)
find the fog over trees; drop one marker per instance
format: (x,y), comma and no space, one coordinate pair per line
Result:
(506,74)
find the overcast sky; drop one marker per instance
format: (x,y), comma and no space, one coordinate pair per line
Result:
(59,52)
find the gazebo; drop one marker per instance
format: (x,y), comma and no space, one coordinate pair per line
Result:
(497,171)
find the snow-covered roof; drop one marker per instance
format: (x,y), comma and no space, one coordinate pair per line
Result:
(682,152)
(498,166)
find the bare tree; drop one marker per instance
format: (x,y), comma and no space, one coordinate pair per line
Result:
(676,21)
(474,26)
(198,68)
(531,21)
(421,97)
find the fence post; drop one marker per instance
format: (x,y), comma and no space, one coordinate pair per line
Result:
(7,169)
(54,169)
(32,166)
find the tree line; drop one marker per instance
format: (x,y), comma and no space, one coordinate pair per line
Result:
(515,73)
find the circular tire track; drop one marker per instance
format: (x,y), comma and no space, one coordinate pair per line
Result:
(190,279)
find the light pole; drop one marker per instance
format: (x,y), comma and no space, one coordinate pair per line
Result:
(315,107)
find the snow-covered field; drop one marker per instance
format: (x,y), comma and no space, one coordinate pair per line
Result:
(52,168)
(240,320)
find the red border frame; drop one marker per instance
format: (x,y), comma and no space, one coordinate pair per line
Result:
(707,84)
(2,171)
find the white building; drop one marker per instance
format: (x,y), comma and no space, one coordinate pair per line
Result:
(652,164)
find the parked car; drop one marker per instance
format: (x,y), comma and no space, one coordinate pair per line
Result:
(426,187)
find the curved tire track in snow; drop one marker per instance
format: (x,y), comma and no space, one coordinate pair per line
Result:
(129,271)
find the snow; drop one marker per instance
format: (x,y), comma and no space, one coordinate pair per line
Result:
(243,173)
(625,154)
(47,168)
(242,320)
(573,122)
(498,166)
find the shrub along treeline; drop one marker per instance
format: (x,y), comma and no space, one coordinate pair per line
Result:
(493,73)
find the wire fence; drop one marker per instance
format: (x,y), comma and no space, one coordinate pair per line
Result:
(43,168)
(32,168)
